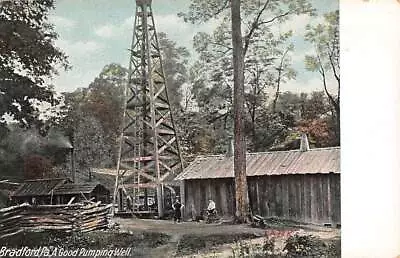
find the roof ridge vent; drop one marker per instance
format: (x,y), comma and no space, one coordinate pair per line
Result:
(230,148)
(304,145)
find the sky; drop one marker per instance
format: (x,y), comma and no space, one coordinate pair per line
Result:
(94,33)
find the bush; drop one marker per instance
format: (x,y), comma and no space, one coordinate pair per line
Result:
(246,250)
(305,246)
(334,249)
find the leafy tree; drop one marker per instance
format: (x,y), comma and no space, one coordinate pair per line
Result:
(175,61)
(28,58)
(37,167)
(319,131)
(90,147)
(325,61)
(318,120)
(265,56)
(103,101)
(307,113)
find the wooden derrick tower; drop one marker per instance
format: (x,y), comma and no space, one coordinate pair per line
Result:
(149,155)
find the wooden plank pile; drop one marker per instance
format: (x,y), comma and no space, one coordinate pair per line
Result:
(10,220)
(82,217)
(92,217)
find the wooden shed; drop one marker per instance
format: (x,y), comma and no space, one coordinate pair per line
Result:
(301,185)
(38,191)
(59,191)
(81,192)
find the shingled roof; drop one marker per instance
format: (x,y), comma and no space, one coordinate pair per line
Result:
(39,187)
(314,161)
(78,188)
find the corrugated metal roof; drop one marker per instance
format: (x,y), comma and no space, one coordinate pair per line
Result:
(77,188)
(39,187)
(314,161)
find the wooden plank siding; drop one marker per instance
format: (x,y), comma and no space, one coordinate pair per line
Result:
(313,198)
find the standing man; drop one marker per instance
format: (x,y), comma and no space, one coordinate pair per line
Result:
(129,203)
(177,206)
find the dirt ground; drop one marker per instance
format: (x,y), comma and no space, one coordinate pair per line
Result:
(163,238)
(198,239)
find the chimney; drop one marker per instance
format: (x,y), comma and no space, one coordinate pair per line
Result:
(71,140)
(230,149)
(304,146)
(73,165)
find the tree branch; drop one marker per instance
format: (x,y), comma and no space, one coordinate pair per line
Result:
(221,45)
(330,97)
(223,7)
(336,75)
(279,80)
(330,55)
(253,27)
(273,19)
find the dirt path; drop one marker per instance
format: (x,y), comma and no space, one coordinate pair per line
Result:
(184,228)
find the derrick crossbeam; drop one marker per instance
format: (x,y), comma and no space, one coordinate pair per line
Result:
(149,145)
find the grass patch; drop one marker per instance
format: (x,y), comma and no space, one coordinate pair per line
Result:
(190,244)
(140,242)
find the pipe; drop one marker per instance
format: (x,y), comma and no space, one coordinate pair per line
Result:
(73,165)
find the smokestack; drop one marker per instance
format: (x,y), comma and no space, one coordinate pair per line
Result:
(71,146)
(230,150)
(73,165)
(304,146)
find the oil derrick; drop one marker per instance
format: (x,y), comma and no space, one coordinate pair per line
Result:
(149,153)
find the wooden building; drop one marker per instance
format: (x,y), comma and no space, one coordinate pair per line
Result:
(7,189)
(59,191)
(82,192)
(38,191)
(301,185)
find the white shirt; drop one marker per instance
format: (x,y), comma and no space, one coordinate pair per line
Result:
(211,205)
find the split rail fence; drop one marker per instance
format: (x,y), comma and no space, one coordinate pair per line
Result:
(68,218)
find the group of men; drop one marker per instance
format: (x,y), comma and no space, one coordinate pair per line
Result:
(177,207)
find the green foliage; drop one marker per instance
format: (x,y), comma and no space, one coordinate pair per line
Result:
(93,117)
(203,10)
(175,60)
(305,246)
(243,249)
(269,245)
(295,246)
(27,58)
(190,244)
(325,60)
(89,144)
(267,64)
(206,132)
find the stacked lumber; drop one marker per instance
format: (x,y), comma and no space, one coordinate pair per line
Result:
(10,219)
(67,218)
(93,217)
(51,217)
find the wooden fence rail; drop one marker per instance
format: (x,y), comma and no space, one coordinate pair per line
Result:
(75,217)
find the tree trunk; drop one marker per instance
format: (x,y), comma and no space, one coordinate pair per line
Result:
(241,194)
(338,124)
